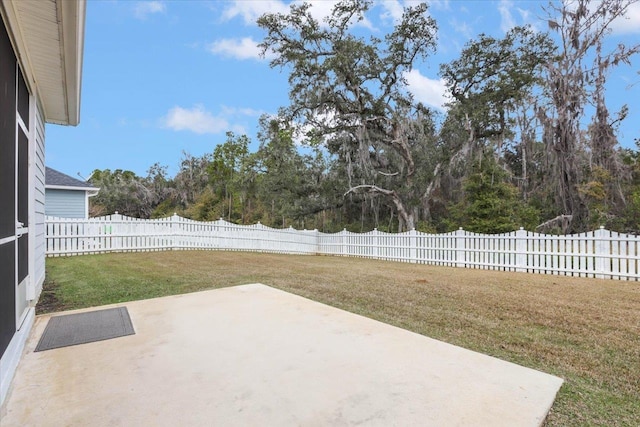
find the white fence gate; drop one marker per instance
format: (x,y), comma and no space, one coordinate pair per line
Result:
(600,253)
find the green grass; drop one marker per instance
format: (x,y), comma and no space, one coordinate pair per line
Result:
(586,331)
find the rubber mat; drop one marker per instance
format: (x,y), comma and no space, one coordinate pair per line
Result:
(81,328)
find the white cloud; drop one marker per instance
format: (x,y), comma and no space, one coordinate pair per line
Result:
(392,10)
(251,10)
(317,120)
(440,4)
(146,8)
(430,92)
(523,16)
(244,48)
(239,129)
(321,9)
(507,22)
(624,25)
(630,23)
(235,111)
(462,28)
(530,19)
(526,15)
(196,119)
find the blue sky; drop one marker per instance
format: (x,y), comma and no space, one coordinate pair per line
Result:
(163,77)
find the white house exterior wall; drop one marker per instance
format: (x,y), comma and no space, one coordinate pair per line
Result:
(37,245)
(38,210)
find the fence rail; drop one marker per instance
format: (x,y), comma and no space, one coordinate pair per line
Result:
(600,253)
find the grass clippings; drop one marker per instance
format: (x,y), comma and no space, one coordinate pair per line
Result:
(586,331)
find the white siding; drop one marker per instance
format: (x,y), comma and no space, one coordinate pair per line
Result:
(39,203)
(65,203)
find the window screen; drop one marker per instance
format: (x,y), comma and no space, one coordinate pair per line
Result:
(23,178)
(7,135)
(23,100)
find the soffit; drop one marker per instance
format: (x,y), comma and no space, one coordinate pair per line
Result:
(48,36)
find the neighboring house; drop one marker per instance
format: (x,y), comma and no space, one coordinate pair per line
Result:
(41,49)
(66,196)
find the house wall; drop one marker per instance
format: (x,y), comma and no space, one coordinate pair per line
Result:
(30,252)
(38,212)
(65,203)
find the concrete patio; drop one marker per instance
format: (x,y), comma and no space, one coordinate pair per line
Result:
(254,355)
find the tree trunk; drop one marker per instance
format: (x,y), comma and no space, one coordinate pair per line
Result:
(406,219)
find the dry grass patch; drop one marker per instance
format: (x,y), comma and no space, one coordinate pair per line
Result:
(586,331)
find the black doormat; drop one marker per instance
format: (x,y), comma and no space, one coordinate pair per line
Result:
(81,328)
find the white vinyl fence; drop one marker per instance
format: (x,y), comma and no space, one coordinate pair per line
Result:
(119,233)
(600,253)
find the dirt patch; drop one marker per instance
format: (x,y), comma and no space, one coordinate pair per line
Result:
(49,302)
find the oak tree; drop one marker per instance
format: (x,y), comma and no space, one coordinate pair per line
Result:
(351,91)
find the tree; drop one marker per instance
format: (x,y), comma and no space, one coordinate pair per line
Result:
(571,81)
(284,183)
(162,193)
(225,170)
(352,92)
(492,84)
(628,220)
(491,203)
(192,178)
(122,191)
(493,76)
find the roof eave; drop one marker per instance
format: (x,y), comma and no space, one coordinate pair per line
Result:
(60,104)
(69,187)
(73,21)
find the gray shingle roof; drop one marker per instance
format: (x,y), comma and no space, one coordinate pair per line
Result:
(53,177)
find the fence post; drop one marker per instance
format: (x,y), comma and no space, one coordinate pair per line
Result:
(376,243)
(174,231)
(602,253)
(116,241)
(413,246)
(521,250)
(344,242)
(460,248)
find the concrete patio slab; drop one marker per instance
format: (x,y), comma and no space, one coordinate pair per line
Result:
(254,355)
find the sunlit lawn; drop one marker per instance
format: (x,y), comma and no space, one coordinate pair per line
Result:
(586,331)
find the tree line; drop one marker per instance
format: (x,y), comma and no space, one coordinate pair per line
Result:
(526,139)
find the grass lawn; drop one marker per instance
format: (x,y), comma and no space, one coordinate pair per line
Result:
(586,331)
